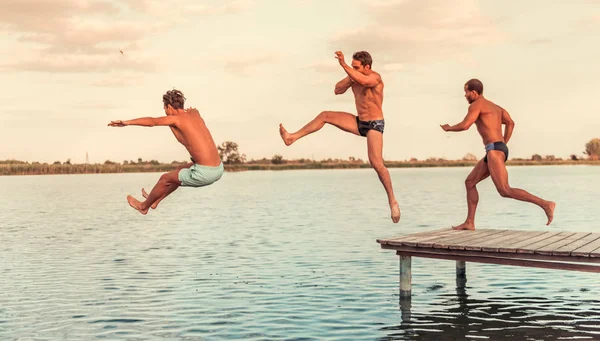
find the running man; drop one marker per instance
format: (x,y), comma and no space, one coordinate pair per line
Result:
(489,117)
(367,87)
(190,130)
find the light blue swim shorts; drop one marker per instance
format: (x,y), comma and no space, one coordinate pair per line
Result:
(199,175)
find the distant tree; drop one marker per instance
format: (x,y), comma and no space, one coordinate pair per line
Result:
(277,159)
(125,162)
(469,157)
(154,162)
(413,159)
(68,162)
(229,153)
(574,157)
(56,163)
(536,157)
(139,160)
(108,162)
(592,149)
(550,157)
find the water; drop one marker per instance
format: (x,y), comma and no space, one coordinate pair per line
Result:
(285,255)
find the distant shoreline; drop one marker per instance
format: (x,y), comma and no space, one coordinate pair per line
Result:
(22,168)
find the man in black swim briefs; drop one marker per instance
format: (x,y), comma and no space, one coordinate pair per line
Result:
(489,117)
(367,87)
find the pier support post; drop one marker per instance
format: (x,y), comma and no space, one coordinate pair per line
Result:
(405,277)
(461,275)
(461,268)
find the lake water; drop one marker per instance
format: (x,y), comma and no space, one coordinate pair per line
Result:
(287,255)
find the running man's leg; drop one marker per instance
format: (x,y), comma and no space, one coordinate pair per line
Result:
(375,151)
(497,170)
(343,120)
(478,174)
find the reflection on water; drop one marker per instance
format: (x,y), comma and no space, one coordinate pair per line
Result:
(460,317)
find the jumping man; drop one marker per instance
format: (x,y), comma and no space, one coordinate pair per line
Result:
(190,130)
(367,87)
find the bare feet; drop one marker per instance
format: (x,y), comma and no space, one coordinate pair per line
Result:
(550,211)
(285,136)
(133,202)
(395,208)
(465,226)
(145,195)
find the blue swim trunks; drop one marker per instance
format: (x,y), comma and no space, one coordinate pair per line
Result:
(199,175)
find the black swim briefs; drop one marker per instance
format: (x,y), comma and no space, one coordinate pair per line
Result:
(499,145)
(365,126)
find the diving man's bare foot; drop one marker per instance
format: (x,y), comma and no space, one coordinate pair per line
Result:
(145,195)
(467,225)
(133,202)
(549,209)
(395,211)
(285,136)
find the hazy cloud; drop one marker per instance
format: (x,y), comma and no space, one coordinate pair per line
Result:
(87,35)
(418,30)
(244,65)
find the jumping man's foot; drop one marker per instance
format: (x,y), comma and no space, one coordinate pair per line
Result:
(549,209)
(395,208)
(145,195)
(465,226)
(285,136)
(133,202)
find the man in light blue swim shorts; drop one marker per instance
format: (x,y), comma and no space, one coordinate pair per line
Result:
(190,130)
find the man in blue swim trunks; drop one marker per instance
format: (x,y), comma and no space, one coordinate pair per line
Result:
(190,130)
(488,118)
(367,87)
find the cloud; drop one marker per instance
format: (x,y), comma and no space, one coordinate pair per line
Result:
(244,65)
(118,81)
(85,36)
(540,41)
(409,31)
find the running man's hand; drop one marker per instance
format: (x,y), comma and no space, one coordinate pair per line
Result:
(118,123)
(340,57)
(446,127)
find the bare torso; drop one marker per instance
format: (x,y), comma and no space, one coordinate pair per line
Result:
(191,132)
(489,121)
(369,101)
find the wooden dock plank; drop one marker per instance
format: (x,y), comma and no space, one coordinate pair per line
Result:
(414,236)
(481,237)
(457,234)
(414,242)
(550,248)
(586,249)
(530,248)
(566,250)
(516,246)
(519,237)
(465,238)
(507,234)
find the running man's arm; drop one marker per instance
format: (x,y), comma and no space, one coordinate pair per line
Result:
(466,123)
(147,122)
(343,85)
(509,125)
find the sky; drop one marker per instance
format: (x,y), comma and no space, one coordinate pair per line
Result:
(248,65)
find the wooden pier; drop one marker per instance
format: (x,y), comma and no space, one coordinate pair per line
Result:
(541,249)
